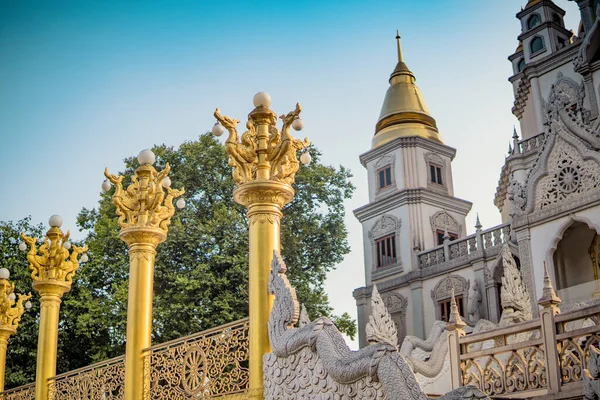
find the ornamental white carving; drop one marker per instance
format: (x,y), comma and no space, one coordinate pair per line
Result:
(568,176)
(442,220)
(385,161)
(443,290)
(384,226)
(380,328)
(314,361)
(396,305)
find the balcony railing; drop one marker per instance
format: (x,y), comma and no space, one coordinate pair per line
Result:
(532,143)
(26,392)
(487,239)
(209,364)
(100,381)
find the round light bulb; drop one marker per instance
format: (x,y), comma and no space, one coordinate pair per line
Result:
(55,221)
(4,273)
(180,203)
(262,99)
(106,185)
(298,124)
(166,182)
(218,129)
(67,245)
(305,158)
(28,305)
(23,246)
(12,296)
(146,157)
(84,258)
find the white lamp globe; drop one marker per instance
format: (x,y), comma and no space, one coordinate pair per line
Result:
(28,305)
(305,158)
(298,124)
(146,157)
(106,185)
(23,246)
(4,274)
(12,296)
(55,221)
(84,258)
(218,129)
(180,203)
(262,99)
(67,245)
(166,182)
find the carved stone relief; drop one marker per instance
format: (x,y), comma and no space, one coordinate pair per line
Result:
(441,220)
(443,290)
(385,161)
(568,176)
(385,225)
(432,158)
(396,305)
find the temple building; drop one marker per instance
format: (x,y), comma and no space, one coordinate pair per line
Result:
(416,246)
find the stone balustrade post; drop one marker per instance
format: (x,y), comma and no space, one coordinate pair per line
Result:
(549,303)
(455,332)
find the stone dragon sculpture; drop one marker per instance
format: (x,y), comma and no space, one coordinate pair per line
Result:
(313,361)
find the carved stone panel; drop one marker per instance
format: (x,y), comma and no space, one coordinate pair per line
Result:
(443,290)
(568,176)
(396,305)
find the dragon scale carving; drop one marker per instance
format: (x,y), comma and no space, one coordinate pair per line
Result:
(313,361)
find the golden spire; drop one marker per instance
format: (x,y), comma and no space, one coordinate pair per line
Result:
(399,46)
(404,112)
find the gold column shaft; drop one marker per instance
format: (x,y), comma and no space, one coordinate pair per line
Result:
(3,346)
(264,238)
(139,308)
(47,341)
(263,200)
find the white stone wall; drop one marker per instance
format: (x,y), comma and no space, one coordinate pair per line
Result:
(545,238)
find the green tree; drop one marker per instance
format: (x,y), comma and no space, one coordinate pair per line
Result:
(201,270)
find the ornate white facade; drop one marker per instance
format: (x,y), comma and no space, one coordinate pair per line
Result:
(548,192)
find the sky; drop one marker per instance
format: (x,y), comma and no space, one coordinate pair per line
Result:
(85,84)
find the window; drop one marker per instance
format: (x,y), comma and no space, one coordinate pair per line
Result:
(445,308)
(556,19)
(534,21)
(440,236)
(537,44)
(435,174)
(521,65)
(386,250)
(385,177)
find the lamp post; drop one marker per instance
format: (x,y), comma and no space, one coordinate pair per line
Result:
(264,165)
(52,269)
(144,215)
(11,310)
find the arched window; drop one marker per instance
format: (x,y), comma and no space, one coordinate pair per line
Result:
(556,19)
(537,44)
(521,65)
(534,21)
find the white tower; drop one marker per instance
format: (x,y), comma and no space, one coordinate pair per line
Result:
(411,194)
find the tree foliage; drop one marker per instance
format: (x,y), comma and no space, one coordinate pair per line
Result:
(201,276)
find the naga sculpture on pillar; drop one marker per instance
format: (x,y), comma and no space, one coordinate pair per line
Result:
(313,360)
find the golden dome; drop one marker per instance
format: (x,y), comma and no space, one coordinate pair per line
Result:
(404,113)
(532,3)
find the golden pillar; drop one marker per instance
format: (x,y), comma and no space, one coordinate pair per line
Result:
(144,215)
(52,270)
(264,165)
(11,310)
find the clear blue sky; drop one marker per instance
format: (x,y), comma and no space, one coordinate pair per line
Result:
(85,84)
